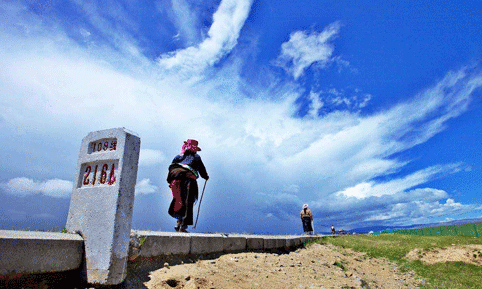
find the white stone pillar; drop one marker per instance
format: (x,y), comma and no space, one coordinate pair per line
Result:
(102,202)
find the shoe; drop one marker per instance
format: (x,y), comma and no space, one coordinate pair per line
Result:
(178,226)
(183,230)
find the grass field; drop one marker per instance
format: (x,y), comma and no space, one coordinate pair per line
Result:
(470,230)
(450,275)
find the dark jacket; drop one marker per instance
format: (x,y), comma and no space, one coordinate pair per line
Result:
(193,160)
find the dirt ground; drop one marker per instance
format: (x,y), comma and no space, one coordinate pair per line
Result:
(471,254)
(318,266)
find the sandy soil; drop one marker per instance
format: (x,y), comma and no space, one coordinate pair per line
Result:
(471,254)
(318,266)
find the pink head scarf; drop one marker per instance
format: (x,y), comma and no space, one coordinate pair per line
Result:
(190,145)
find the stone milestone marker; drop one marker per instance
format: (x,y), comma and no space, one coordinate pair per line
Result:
(102,202)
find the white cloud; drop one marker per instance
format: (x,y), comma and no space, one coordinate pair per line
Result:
(185,20)
(145,187)
(222,38)
(149,157)
(421,211)
(409,207)
(304,49)
(84,32)
(20,186)
(352,100)
(56,188)
(24,186)
(397,185)
(427,194)
(315,104)
(102,19)
(360,148)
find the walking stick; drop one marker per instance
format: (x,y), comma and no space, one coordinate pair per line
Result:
(199,208)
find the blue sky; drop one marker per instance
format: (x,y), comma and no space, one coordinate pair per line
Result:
(369,111)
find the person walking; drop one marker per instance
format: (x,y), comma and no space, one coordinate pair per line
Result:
(306,219)
(182,179)
(332,230)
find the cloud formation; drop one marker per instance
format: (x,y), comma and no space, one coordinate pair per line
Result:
(25,186)
(260,153)
(397,185)
(186,21)
(222,37)
(304,49)
(145,186)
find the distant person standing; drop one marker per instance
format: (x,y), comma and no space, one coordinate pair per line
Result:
(333,230)
(182,178)
(306,219)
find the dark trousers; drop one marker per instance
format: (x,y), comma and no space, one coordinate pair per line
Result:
(307,224)
(185,193)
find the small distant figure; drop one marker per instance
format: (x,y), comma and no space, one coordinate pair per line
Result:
(333,230)
(183,173)
(307,219)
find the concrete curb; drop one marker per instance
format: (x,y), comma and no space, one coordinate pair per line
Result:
(255,243)
(234,243)
(25,252)
(163,243)
(157,244)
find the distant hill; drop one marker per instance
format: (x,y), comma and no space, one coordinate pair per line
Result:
(455,222)
(377,228)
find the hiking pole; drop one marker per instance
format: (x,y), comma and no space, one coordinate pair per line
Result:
(200,200)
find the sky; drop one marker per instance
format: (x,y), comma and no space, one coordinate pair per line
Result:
(368,111)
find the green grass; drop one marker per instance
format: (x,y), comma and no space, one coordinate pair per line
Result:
(341,264)
(469,229)
(141,242)
(450,275)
